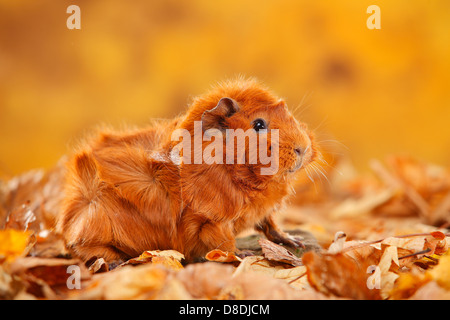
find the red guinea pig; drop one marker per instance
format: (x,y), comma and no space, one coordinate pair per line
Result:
(143,189)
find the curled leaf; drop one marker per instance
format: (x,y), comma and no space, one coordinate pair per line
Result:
(168,258)
(218,255)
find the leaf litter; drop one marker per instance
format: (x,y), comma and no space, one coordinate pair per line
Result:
(378,236)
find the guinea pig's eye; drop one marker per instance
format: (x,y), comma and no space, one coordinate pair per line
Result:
(259,124)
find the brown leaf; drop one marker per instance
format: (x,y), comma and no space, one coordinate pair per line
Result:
(205,280)
(169,258)
(275,252)
(339,275)
(98,266)
(144,281)
(47,277)
(20,218)
(295,276)
(218,255)
(258,286)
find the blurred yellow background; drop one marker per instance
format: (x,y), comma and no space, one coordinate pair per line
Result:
(375,91)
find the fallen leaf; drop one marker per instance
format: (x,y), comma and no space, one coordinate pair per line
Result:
(99,265)
(413,243)
(438,243)
(218,255)
(431,291)
(20,218)
(339,275)
(275,252)
(48,278)
(169,258)
(129,282)
(205,280)
(10,286)
(295,276)
(338,243)
(364,205)
(407,284)
(441,273)
(259,286)
(360,251)
(386,277)
(13,244)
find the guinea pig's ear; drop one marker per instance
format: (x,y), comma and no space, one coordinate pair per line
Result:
(215,118)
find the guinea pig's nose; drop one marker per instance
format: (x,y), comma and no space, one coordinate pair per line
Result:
(298,151)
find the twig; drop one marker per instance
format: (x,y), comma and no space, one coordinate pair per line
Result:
(302,275)
(415,254)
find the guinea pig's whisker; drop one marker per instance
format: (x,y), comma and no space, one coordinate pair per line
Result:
(293,190)
(321,158)
(320,124)
(319,171)
(332,141)
(301,104)
(308,173)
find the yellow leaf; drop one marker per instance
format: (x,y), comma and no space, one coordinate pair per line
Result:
(168,258)
(167,261)
(13,243)
(407,284)
(441,273)
(218,255)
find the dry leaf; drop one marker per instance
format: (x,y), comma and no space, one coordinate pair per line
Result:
(231,292)
(407,284)
(414,244)
(357,207)
(130,282)
(438,243)
(296,276)
(47,278)
(257,286)
(13,244)
(99,266)
(386,277)
(441,273)
(275,252)
(431,291)
(169,258)
(20,218)
(10,286)
(218,255)
(362,251)
(338,243)
(205,280)
(339,275)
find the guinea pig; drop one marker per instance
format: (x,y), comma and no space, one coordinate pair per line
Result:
(134,190)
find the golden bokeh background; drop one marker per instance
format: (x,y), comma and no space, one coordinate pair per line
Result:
(367,93)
